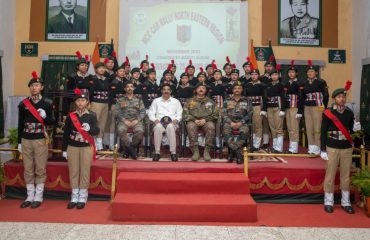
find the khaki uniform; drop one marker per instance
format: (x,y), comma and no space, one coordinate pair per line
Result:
(196,109)
(293,27)
(130,109)
(236,111)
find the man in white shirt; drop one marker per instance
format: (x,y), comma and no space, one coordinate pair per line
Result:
(166,113)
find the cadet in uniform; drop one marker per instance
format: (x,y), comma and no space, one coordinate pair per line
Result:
(190,70)
(227,69)
(168,78)
(315,102)
(144,66)
(294,108)
(34,114)
(338,124)
(78,148)
(210,70)
(275,109)
(130,113)
(200,112)
(127,67)
(152,89)
(255,93)
(100,100)
(266,79)
(234,77)
(246,78)
(236,115)
(201,77)
(109,67)
(184,91)
(135,79)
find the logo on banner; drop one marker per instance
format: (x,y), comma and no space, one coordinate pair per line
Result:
(183,33)
(29,49)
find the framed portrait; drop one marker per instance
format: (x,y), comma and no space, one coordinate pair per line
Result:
(67,20)
(300,22)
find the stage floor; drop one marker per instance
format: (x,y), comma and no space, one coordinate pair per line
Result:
(290,175)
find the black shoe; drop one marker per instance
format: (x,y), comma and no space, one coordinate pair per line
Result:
(25,204)
(265,146)
(35,204)
(174,157)
(348,209)
(80,205)
(132,152)
(275,151)
(239,157)
(157,157)
(230,158)
(253,149)
(328,208)
(71,205)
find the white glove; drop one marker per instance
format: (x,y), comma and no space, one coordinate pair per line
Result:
(281,114)
(324,155)
(20,148)
(298,115)
(356,126)
(263,113)
(42,113)
(86,127)
(64,154)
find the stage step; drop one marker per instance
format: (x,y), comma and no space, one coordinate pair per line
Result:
(183,197)
(221,183)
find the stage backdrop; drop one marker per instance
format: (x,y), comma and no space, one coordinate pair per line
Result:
(183,30)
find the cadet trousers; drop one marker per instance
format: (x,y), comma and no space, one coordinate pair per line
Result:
(101,110)
(35,157)
(343,158)
(292,124)
(79,164)
(313,118)
(275,122)
(257,121)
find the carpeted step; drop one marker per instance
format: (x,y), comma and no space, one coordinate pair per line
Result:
(184,207)
(217,183)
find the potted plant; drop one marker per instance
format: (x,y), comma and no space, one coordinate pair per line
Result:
(362,181)
(13,141)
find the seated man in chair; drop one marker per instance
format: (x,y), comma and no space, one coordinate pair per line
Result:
(166,113)
(130,112)
(236,112)
(200,112)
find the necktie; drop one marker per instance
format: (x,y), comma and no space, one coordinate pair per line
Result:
(70,20)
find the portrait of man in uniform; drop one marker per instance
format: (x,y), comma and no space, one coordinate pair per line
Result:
(67,20)
(300,22)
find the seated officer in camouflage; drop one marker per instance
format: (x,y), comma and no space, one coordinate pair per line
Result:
(130,112)
(236,115)
(200,112)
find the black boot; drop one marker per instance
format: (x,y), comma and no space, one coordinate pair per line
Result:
(156,157)
(26,204)
(132,152)
(239,157)
(230,158)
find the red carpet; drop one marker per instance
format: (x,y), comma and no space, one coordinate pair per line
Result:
(99,212)
(183,197)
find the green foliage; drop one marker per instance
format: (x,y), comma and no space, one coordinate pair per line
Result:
(362,181)
(13,136)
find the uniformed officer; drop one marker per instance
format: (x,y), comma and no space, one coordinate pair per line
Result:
(294,107)
(100,100)
(78,148)
(301,25)
(200,112)
(34,114)
(275,109)
(315,96)
(130,113)
(338,123)
(236,116)
(255,93)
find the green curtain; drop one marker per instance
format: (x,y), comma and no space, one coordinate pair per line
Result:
(365,99)
(1,103)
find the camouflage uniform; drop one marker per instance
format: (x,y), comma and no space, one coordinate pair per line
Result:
(236,111)
(130,109)
(196,109)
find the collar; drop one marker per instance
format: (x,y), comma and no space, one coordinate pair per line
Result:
(72,16)
(81,113)
(293,80)
(164,100)
(82,75)
(339,109)
(36,99)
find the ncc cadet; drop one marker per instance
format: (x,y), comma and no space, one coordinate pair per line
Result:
(144,66)
(275,109)
(190,70)
(173,68)
(135,79)
(130,113)
(200,112)
(100,100)
(269,66)
(127,67)
(152,89)
(246,78)
(116,90)
(79,148)
(184,91)
(110,66)
(168,78)
(234,77)
(338,124)
(236,116)
(255,93)
(210,70)
(315,101)
(227,69)
(201,77)
(79,79)
(294,107)
(34,114)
